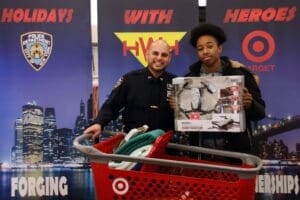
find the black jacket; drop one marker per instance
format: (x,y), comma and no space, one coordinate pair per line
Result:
(240,142)
(143,100)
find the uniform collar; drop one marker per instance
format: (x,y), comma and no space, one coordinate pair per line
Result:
(151,77)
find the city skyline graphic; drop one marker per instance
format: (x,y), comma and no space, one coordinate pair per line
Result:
(38,139)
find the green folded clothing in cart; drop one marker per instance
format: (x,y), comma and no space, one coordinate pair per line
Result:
(137,146)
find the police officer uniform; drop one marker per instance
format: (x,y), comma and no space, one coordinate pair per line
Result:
(142,99)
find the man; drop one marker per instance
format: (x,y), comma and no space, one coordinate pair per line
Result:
(141,94)
(208,40)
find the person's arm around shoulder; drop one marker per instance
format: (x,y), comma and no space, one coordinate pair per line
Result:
(94,129)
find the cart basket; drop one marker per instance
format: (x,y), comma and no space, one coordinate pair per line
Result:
(169,177)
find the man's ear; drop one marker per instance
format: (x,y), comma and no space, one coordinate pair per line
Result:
(170,56)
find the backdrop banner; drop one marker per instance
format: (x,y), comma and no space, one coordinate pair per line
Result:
(45,84)
(263,36)
(127,27)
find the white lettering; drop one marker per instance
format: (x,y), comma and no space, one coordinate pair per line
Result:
(260,183)
(63,187)
(296,185)
(273,185)
(267,184)
(47,188)
(279,184)
(23,186)
(14,186)
(31,188)
(290,183)
(53,186)
(39,186)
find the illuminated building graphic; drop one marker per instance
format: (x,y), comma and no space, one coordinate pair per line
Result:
(63,145)
(80,125)
(18,141)
(33,121)
(48,139)
(89,105)
(39,142)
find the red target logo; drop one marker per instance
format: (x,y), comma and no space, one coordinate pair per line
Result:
(120,186)
(258,46)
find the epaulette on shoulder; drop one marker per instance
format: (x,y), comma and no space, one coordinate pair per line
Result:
(118,83)
(126,76)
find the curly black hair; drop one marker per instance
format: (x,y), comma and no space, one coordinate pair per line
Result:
(207,29)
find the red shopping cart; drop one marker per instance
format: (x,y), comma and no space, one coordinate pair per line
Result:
(168,177)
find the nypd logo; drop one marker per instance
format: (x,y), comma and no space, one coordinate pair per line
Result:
(36,47)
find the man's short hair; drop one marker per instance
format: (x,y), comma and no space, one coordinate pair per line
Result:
(207,29)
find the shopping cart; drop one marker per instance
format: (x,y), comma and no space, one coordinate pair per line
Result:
(168,177)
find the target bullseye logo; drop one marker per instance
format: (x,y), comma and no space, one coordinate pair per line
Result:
(258,46)
(120,186)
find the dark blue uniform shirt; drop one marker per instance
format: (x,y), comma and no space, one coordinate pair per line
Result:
(142,99)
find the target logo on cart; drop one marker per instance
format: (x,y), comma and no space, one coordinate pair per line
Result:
(120,186)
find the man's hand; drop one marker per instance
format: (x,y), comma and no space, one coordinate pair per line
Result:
(172,103)
(95,130)
(247,99)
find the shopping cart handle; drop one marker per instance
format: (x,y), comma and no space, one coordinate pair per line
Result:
(96,155)
(245,158)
